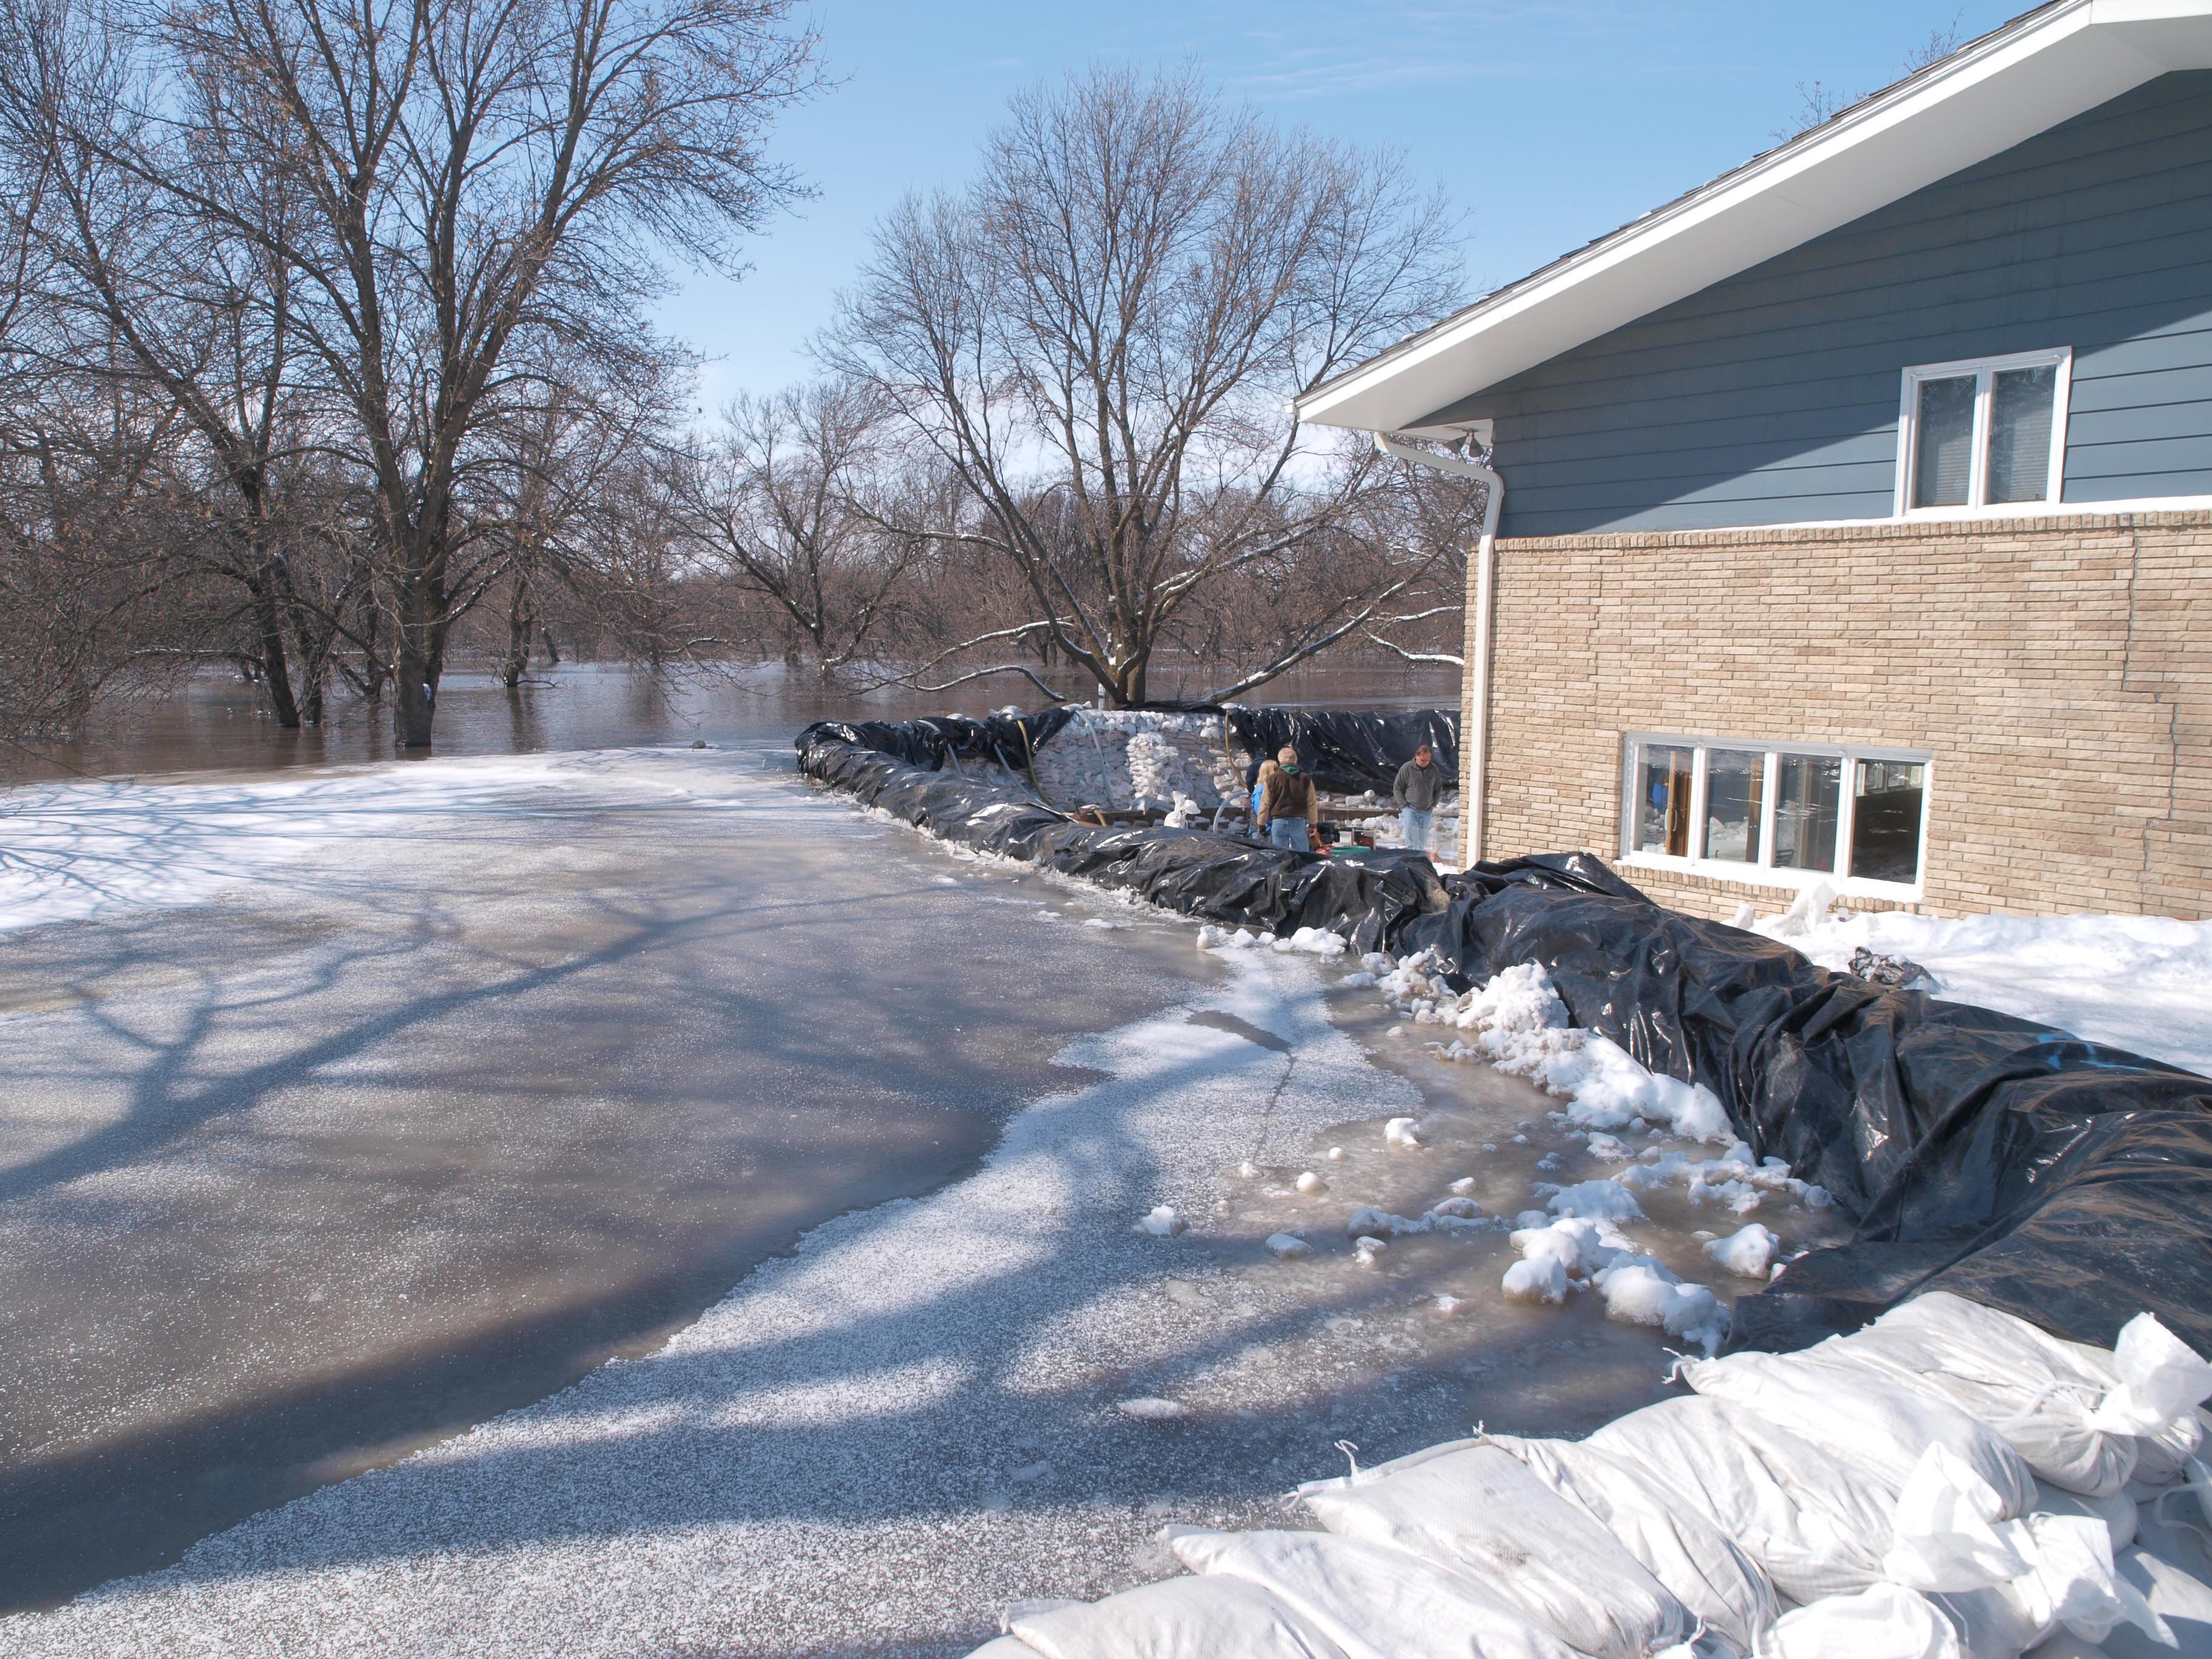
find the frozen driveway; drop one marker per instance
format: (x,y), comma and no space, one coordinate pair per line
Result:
(435,1084)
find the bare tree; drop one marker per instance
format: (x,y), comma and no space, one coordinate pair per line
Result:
(788,501)
(467,175)
(1098,339)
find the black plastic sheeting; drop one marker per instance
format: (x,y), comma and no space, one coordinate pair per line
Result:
(1349,749)
(1009,739)
(1223,878)
(2062,1181)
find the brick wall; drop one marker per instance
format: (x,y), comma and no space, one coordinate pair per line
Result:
(2058,670)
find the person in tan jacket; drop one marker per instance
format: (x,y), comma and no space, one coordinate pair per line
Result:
(1290,806)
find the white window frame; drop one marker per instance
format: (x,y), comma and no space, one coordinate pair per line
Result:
(1766,872)
(1984,370)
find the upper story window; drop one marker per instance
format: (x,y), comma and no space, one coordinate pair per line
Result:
(1984,433)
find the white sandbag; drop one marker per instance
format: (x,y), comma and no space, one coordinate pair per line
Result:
(1476,1509)
(2015,1582)
(1373,1601)
(2182,1601)
(2162,1379)
(1678,1544)
(2117,1511)
(1884,1621)
(1176,1619)
(1815,1526)
(1862,1420)
(2037,1391)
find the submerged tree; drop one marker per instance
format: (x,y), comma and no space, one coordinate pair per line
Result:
(465,177)
(788,501)
(1099,340)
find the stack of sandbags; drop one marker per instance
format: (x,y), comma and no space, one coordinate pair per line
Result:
(1950,1483)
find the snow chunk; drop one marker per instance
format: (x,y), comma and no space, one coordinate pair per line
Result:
(1641,1291)
(1597,1200)
(1162,1223)
(1401,1131)
(1539,1279)
(1747,1254)
(1523,1030)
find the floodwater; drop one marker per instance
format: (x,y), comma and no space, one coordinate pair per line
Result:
(217,722)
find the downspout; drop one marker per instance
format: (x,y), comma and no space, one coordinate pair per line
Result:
(1474,741)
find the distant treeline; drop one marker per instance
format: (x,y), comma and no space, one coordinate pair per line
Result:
(326,354)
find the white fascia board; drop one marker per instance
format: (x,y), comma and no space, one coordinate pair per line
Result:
(2067,62)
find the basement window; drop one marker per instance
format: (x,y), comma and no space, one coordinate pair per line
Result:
(1990,432)
(1777,814)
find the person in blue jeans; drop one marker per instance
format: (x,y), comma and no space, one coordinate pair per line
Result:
(1290,806)
(1418,786)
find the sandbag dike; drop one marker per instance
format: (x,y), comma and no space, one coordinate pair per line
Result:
(2060,1181)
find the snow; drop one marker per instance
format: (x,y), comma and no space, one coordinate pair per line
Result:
(1403,1133)
(1162,1222)
(1747,1253)
(2141,983)
(1522,1027)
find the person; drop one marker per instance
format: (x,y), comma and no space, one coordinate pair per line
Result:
(1290,806)
(1419,785)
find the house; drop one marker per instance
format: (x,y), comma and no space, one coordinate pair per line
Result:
(1852,519)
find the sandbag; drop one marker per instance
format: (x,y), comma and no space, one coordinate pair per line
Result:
(1373,1601)
(1004,1647)
(1478,1511)
(1679,1544)
(1883,1621)
(1176,1619)
(1862,1420)
(2009,1583)
(1815,1526)
(2037,1390)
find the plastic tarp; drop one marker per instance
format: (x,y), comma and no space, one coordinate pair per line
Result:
(1223,878)
(1009,739)
(2014,1164)
(1349,749)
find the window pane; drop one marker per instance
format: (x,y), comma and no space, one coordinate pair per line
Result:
(1662,801)
(1734,782)
(1946,442)
(1885,820)
(1807,795)
(2020,401)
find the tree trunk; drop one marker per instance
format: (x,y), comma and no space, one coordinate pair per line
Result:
(520,621)
(552,650)
(274,673)
(415,671)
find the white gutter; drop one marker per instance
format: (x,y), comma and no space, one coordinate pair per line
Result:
(1475,736)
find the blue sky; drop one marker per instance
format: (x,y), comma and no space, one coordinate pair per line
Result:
(1550,121)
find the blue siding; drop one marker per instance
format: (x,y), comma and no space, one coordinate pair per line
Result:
(1772,396)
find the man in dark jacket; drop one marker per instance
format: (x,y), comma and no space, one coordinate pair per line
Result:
(1419,787)
(1290,806)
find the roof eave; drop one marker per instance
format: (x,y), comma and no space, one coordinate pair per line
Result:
(1988,96)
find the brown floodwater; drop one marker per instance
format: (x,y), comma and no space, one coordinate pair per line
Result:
(217,722)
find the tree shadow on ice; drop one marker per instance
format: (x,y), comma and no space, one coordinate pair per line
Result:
(843,1403)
